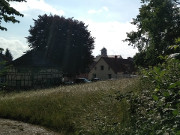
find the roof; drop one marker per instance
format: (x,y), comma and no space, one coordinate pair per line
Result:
(119,64)
(33,58)
(113,56)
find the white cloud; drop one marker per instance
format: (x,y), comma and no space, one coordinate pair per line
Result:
(40,5)
(16,47)
(105,9)
(111,35)
(93,11)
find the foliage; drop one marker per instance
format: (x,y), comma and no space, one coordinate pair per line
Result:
(4,59)
(157,29)
(67,42)
(3,70)
(156,109)
(7,12)
(8,54)
(1,50)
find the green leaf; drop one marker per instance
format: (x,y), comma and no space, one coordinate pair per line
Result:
(162,73)
(175,112)
(157,70)
(172,85)
(166,94)
(178,132)
(156,90)
(178,83)
(155,97)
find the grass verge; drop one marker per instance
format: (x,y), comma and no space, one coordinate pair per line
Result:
(77,109)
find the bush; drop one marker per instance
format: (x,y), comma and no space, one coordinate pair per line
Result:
(156,109)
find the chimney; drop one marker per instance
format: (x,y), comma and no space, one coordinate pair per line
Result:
(115,58)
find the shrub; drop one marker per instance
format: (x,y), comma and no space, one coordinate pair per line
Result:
(156,109)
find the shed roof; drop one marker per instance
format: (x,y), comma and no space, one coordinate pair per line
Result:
(33,58)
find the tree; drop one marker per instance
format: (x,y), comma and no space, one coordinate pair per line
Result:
(67,42)
(8,54)
(157,29)
(7,12)
(1,50)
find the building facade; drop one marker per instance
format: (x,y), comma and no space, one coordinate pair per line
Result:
(109,68)
(32,70)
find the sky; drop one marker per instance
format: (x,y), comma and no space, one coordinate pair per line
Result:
(108,21)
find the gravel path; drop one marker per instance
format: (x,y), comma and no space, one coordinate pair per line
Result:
(10,127)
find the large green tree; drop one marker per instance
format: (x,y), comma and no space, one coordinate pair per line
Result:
(157,29)
(7,12)
(66,42)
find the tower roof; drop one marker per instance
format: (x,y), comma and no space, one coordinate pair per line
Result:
(104,52)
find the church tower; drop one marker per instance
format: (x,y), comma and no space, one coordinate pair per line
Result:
(104,52)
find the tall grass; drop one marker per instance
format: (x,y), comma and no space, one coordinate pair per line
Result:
(76,109)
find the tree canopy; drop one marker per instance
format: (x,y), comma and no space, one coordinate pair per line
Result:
(67,42)
(8,54)
(7,12)
(157,29)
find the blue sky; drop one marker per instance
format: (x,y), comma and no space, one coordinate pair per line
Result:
(108,21)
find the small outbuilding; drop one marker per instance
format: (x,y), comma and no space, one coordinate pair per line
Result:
(33,70)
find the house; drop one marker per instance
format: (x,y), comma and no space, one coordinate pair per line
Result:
(33,70)
(108,67)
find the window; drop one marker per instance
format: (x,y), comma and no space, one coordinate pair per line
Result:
(109,68)
(102,67)
(94,75)
(109,76)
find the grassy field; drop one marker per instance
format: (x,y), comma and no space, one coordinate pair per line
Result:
(77,109)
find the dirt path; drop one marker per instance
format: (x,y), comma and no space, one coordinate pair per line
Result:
(10,127)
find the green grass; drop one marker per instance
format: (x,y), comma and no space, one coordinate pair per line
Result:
(77,109)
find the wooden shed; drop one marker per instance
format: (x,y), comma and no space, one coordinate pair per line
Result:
(33,70)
